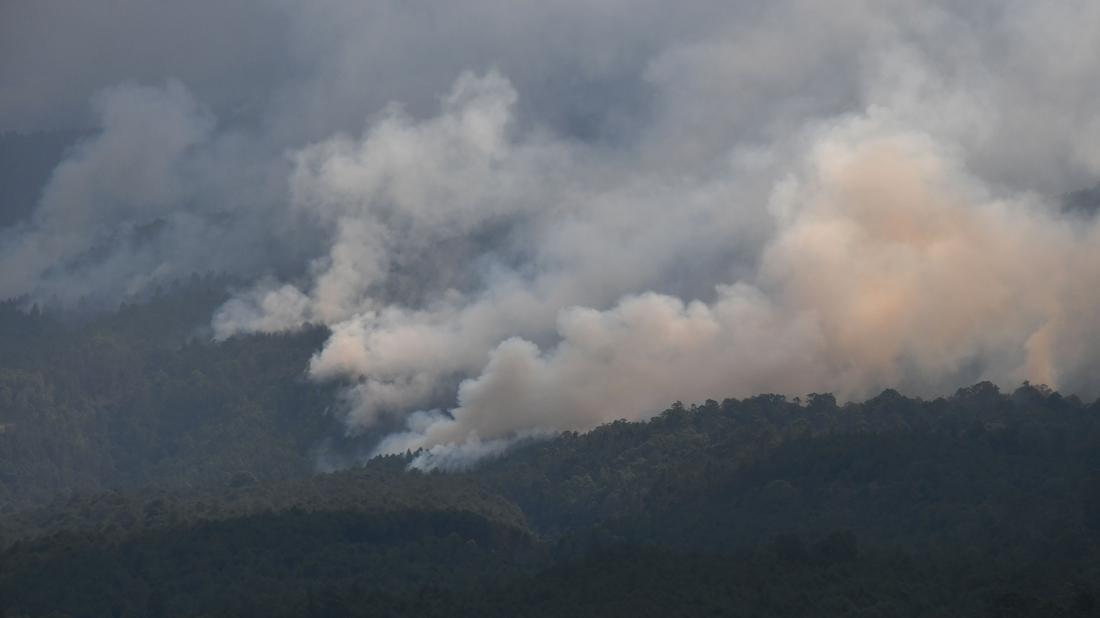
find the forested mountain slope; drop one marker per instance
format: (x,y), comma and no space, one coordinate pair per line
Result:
(983,503)
(140,396)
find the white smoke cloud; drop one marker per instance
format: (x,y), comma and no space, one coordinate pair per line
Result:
(890,267)
(155,193)
(613,206)
(130,172)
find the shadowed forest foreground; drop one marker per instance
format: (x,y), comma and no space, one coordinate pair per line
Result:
(147,474)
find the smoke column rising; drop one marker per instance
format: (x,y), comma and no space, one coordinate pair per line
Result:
(524,218)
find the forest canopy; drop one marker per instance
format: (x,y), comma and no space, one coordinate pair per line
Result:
(167,476)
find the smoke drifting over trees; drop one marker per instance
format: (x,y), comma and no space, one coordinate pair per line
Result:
(526,217)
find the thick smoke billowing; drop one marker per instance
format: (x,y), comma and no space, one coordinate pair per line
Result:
(521,218)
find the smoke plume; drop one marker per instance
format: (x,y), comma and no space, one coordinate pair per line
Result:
(523,218)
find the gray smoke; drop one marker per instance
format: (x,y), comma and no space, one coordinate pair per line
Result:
(522,218)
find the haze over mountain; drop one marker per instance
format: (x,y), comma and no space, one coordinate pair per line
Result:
(338,308)
(516,219)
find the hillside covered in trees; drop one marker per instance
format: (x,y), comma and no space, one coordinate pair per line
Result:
(140,396)
(149,472)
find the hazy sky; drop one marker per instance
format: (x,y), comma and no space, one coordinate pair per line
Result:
(519,217)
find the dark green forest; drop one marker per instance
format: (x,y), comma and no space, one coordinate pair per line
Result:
(147,471)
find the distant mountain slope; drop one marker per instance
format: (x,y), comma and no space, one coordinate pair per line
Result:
(140,397)
(983,503)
